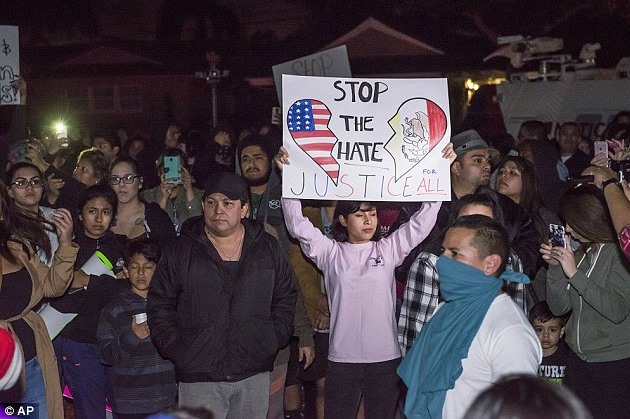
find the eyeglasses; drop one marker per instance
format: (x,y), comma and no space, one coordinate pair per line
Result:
(127,179)
(23,183)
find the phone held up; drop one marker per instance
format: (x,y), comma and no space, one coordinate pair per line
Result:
(600,147)
(172,168)
(556,234)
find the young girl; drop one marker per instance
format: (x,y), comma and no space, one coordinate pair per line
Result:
(359,277)
(77,344)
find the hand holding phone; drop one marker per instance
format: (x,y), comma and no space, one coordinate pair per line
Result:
(556,234)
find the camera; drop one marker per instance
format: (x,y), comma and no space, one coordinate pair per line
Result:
(622,167)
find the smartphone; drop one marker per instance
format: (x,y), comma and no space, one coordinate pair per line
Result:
(172,167)
(556,234)
(600,147)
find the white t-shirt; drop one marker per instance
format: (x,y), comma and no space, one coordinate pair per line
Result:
(505,344)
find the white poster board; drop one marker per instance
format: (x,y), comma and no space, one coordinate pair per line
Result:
(366,139)
(9,64)
(332,62)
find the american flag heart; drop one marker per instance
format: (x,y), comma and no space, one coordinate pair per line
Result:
(307,120)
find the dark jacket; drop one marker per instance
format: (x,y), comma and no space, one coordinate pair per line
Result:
(213,326)
(524,238)
(89,302)
(160,227)
(577,163)
(69,194)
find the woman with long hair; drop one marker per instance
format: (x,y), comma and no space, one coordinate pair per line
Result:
(358,273)
(517,179)
(76,346)
(24,282)
(135,218)
(593,284)
(26,188)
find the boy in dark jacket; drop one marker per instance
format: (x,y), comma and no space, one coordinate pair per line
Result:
(144,382)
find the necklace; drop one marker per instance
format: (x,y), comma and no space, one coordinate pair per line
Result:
(230,257)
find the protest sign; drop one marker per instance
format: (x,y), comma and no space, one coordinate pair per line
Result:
(9,64)
(332,62)
(366,139)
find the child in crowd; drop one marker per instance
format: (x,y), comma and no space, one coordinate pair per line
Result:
(550,330)
(76,346)
(144,382)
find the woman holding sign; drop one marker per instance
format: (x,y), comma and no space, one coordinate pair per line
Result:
(359,277)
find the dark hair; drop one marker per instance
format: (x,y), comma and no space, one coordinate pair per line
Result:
(98,191)
(97,159)
(136,138)
(21,165)
(520,396)
(546,156)
(529,197)
(569,124)
(146,247)
(17,226)
(486,198)
(584,209)
(542,312)
(534,130)
(345,208)
(255,140)
(490,237)
(125,159)
(111,137)
(172,151)
(219,129)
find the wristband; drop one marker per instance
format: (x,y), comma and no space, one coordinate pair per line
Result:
(608,182)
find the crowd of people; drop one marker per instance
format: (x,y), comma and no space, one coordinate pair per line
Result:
(145,276)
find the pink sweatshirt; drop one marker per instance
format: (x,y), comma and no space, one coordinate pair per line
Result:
(360,282)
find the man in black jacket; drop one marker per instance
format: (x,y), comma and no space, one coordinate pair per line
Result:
(221,305)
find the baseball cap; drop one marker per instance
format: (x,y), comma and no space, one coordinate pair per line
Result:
(229,184)
(470,140)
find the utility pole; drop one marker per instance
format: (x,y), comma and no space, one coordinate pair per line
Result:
(213,77)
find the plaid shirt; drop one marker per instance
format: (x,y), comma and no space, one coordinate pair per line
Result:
(420,299)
